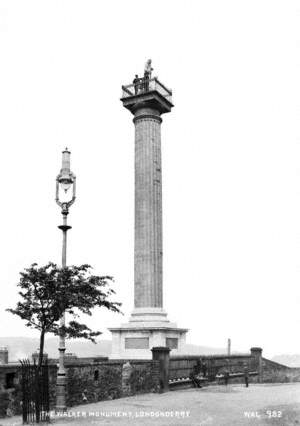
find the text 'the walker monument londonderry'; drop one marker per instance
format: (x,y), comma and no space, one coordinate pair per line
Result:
(147,99)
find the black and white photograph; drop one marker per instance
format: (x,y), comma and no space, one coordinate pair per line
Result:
(150,215)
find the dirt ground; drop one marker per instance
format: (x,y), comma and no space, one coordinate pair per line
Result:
(234,405)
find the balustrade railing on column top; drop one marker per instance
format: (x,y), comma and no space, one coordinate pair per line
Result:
(144,85)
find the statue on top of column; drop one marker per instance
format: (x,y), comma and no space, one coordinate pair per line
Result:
(147,74)
(148,69)
(142,84)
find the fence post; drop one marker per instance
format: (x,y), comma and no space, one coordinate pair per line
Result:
(257,355)
(162,354)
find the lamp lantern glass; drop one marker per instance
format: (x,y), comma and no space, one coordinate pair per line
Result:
(65,182)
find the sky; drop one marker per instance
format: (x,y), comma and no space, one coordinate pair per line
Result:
(230,156)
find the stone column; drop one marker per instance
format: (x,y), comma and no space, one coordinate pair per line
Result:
(148,325)
(148,210)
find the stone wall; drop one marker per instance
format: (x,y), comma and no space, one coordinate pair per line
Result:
(273,372)
(110,380)
(10,391)
(86,383)
(91,383)
(140,377)
(95,381)
(10,402)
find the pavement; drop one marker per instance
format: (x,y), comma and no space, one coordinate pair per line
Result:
(234,405)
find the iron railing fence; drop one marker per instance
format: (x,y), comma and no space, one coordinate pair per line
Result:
(35,392)
(211,367)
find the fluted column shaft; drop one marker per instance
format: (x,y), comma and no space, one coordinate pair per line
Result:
(148,210)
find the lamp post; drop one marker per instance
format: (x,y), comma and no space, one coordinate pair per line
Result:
(64,181)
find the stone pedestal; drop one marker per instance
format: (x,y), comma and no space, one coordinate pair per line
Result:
(135,339)
(147,328)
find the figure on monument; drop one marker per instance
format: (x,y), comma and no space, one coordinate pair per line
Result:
(136,83)
(147,74)
(148,68)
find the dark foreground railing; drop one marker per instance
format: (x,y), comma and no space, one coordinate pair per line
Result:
(35,392)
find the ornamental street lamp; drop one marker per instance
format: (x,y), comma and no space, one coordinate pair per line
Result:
(64,181)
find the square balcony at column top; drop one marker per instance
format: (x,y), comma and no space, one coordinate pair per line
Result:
(147,92)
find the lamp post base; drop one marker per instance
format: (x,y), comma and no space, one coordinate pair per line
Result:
(61,394)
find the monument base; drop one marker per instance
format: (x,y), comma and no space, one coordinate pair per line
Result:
(147,327)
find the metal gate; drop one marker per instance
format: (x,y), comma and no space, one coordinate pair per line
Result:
(35,392)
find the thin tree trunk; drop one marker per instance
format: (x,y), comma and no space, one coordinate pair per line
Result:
(42,341)
(37,377)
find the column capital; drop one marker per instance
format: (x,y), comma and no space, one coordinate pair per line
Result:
(144,112)
(147,117)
